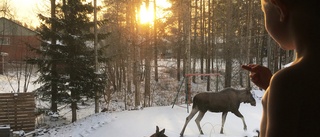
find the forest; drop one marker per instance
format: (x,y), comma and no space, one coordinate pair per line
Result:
(107,52)
(203,36)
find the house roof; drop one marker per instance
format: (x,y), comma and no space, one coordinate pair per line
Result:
(9,28)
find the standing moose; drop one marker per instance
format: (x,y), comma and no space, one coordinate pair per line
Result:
(228,99)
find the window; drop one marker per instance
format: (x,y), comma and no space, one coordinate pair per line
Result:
(4,41)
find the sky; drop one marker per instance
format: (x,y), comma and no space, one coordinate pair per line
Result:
(27,10)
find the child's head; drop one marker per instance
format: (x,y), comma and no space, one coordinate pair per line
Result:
(290,20)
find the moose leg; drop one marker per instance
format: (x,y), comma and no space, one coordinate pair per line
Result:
(224,116)
(192,113)
(238,114)
(198,119)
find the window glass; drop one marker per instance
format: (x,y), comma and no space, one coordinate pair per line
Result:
(4,41)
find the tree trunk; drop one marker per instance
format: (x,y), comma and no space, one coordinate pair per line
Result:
(202,39)
(228,50)
(187,35)
(147,64)
(155,40)
(129,74)
(136,57)
(96,92)
(147,80)
(54,87)
(179,61)
(179,42)
(249,35)
(210,43)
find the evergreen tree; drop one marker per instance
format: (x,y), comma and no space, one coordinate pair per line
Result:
(71,56)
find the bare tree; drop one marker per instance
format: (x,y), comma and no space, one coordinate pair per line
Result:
(6,9)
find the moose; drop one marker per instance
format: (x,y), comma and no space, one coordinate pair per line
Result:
(159,134)
(226,100)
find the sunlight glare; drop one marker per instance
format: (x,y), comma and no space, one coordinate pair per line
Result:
(26,11)
(147,15)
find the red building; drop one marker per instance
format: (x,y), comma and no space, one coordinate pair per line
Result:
(15,40)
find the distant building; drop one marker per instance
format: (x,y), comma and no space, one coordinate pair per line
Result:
(14,42)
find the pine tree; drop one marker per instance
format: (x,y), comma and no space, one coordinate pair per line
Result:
(72,58)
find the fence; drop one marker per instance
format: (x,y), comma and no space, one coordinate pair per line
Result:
(18,111)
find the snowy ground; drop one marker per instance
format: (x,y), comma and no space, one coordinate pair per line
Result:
(142,123)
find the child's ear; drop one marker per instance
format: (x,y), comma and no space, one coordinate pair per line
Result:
(282,8)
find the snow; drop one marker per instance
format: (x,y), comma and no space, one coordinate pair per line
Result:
(142,123)
(4,127)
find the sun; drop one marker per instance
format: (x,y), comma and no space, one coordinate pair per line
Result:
(146,15)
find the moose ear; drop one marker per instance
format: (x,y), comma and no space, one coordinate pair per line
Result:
(157,129)
(162,131)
